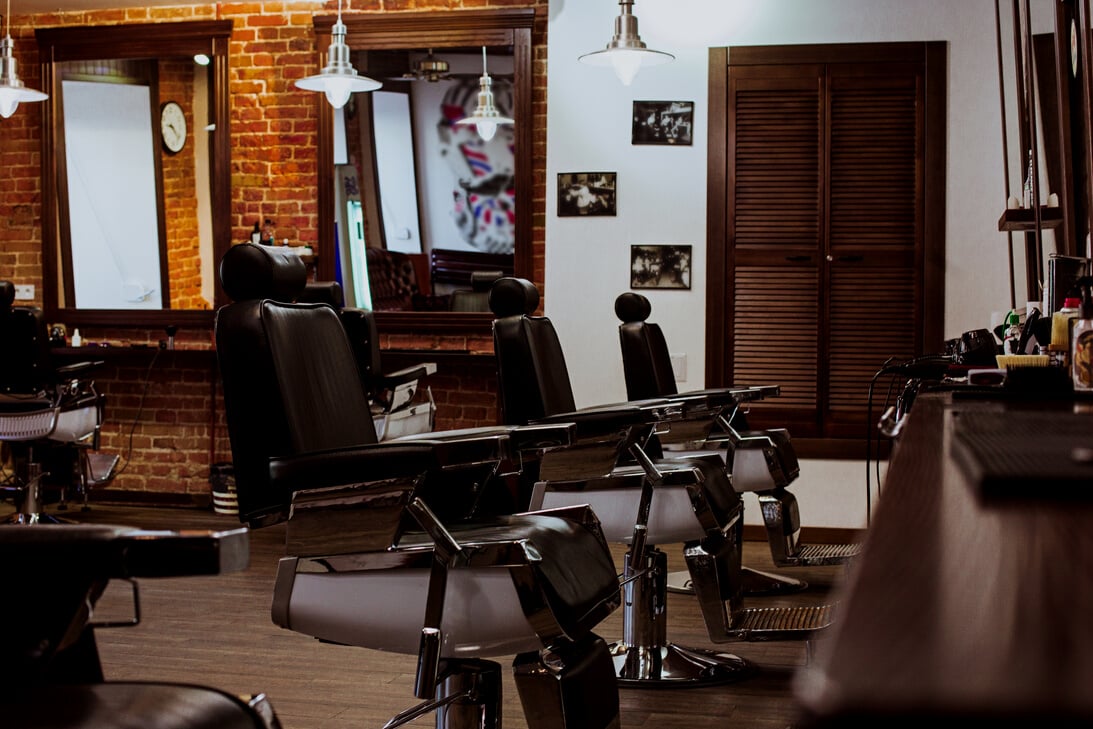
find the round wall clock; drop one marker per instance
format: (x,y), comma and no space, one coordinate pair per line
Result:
(172,127)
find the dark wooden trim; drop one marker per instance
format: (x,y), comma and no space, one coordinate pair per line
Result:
(150,498)
(718,330)
(828,53)
(933,241)
(440,29)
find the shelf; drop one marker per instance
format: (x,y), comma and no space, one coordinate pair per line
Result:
(1024,219)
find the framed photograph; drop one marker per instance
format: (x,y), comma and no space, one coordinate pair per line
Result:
(663,122)
(586,193)
(660,267)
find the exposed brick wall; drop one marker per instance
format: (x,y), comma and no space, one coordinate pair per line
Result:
(180,429)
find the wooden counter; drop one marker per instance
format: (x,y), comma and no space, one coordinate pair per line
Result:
(965,604)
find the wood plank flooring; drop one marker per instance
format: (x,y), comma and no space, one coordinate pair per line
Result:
(217,631)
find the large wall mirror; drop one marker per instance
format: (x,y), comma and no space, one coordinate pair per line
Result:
(429,62)
(135,172)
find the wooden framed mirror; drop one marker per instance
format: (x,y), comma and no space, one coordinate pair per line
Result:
(506,30)
(174,248)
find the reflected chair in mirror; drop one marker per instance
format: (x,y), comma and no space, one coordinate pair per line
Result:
(642,501)
(50,416)
(763,462)
(51,676)
(477,297)
(394,285)
(399,406)
(399,546)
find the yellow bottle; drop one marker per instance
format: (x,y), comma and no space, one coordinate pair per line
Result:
(1062,320)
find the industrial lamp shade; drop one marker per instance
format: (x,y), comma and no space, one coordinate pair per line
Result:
(12,90)
(338,79)
(626,53)
(486,118)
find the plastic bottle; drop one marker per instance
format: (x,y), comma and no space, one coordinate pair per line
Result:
(256,234)
(1012,339)
(1081,351)
(77,340)
(1062,320)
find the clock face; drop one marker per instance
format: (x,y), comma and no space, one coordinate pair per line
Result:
(172,127)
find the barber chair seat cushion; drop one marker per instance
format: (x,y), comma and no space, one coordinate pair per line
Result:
(541,575)
(126,705)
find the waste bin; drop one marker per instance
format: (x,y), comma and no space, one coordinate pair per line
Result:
(222,480)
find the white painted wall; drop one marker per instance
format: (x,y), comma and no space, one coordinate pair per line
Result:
(661,190)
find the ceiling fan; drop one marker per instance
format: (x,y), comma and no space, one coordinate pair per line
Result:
(430,69)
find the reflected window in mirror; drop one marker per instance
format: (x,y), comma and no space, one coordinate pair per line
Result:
(134,168)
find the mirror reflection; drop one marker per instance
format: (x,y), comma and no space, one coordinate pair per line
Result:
(414,182)
(432,209)
(1043,139)
(134,184)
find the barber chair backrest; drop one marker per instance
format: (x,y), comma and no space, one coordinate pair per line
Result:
(646,362)
(360,325)
(531,367)
(290,377)
(25,366)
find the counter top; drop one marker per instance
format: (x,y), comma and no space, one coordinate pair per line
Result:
(962,605)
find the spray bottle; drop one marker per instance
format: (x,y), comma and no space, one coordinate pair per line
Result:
(1081,340)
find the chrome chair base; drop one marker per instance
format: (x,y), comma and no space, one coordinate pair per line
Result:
(674,666)
(757,583)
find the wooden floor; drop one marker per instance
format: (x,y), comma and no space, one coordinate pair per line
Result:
(217,631)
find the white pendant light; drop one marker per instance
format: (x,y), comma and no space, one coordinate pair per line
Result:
(626,52)
(486,117)
(338,79)
(12,90)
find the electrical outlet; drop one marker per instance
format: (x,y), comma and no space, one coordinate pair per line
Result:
(24,292)
(679,366)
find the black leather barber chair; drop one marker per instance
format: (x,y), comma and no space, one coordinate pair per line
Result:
(641,501)
(762,462)
(50,416)
(400,545)
(50,673)
(398,408)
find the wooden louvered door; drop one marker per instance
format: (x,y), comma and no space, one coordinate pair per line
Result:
(822,246)
(872,281)
(776,223)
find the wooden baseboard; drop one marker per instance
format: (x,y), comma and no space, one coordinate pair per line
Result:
(151,498)
(810,535)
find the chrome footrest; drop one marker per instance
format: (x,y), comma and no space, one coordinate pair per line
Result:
(779,623)
(809,555)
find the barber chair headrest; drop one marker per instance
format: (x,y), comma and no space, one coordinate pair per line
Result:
(249,271)
(513,297)
(484,280)
(631,307)
(323,292)
(7,294)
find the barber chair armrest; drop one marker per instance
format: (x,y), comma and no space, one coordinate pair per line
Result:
(78,368)
(522,438)
(390,459)
(391,380)
(105,551)
(602,420)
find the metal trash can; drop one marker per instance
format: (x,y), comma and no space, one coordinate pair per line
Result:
(222,480)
